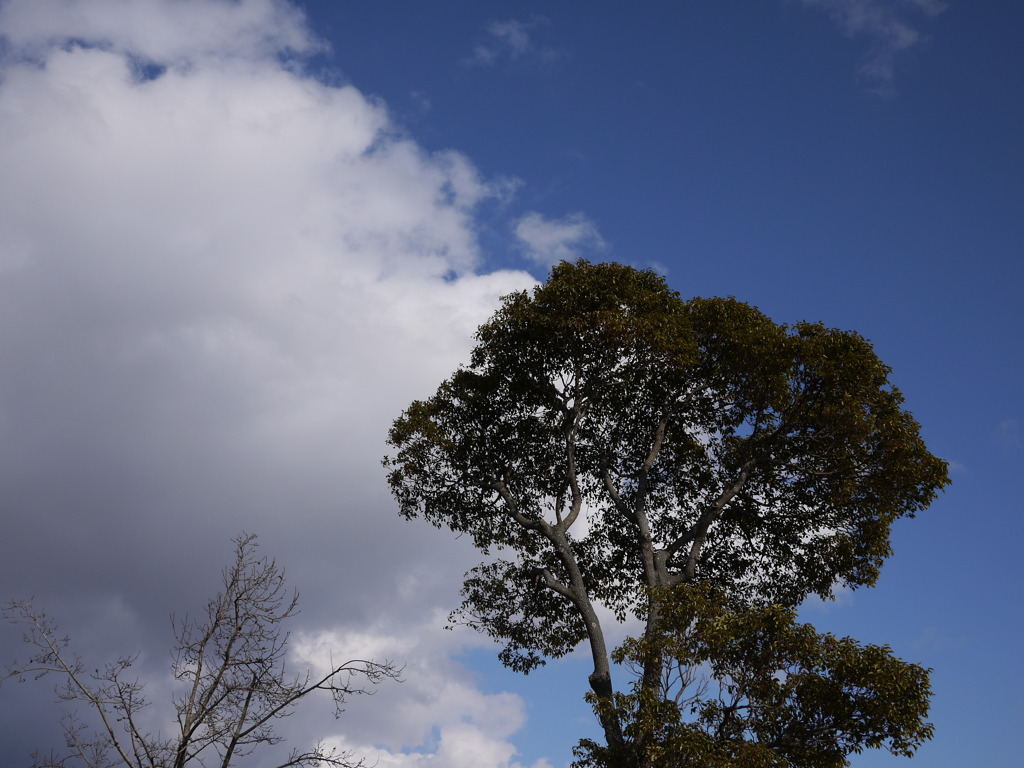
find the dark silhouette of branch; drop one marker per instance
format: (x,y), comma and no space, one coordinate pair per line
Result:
(230,664)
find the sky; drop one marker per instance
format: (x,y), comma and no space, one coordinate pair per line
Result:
(237,239)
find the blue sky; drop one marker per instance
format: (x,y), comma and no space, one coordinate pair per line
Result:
(223,274)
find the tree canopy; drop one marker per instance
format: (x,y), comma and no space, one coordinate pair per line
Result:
(616,445)
(775,693)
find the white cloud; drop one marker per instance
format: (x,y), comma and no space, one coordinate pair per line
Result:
(548,241)
(890,26)
(171,32)
(513,41)
(218,286)
(436,716)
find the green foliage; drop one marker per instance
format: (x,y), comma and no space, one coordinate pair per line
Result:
(768,691)
(611,438)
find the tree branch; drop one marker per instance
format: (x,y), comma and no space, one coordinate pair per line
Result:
(547,579)
(233,669)
(570,472)
(512,507)
(698,533)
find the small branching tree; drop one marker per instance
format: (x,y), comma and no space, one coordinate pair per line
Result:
(622,447)
(233,682)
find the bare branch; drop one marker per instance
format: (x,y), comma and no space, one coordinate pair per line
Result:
(231,664)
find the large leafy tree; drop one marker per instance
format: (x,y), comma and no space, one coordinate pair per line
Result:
(613,444)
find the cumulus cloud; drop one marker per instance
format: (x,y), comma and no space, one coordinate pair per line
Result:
(219,282)
(548,241)
(891,27)
(513,41)
(169,32)
(437,716)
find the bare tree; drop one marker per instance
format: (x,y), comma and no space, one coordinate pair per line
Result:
(230,665)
